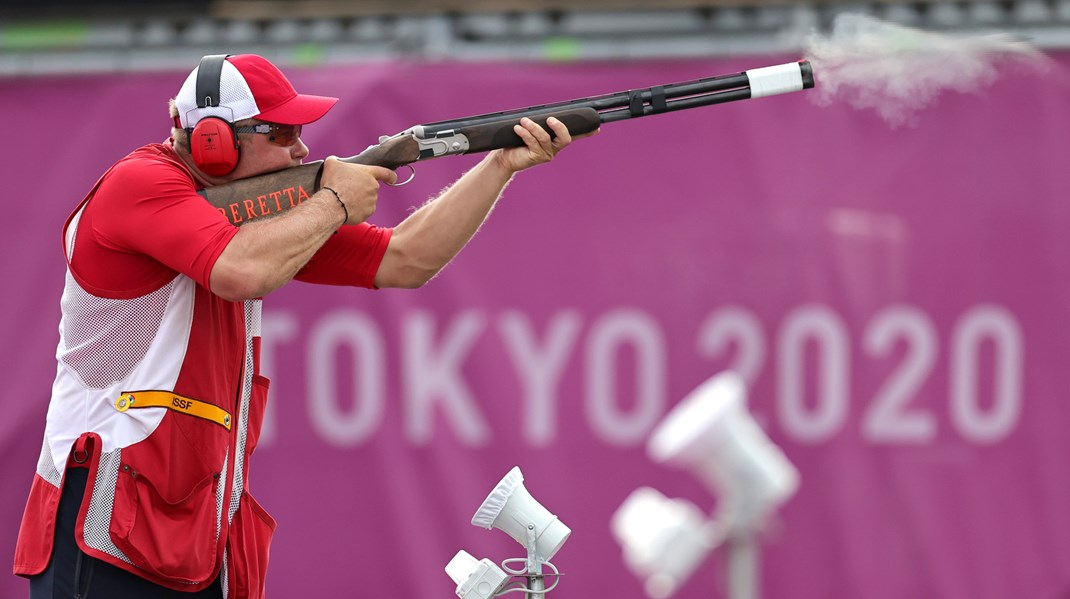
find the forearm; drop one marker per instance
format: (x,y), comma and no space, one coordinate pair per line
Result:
(265,255)
(425,242)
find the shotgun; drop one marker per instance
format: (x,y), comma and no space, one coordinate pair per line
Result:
(267,195)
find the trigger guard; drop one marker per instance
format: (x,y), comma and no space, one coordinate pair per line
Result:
(412,175)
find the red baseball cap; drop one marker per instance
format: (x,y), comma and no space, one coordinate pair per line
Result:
(251,87)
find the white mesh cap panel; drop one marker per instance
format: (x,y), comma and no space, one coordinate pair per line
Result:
(105,339)
(235,98)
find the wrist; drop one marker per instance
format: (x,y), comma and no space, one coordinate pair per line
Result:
(345,211)
(502,165)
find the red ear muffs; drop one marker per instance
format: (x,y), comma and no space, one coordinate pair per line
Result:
(214,146)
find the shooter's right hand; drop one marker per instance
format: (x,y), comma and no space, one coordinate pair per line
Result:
(357,186)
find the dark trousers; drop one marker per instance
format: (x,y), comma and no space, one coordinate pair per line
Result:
(71,574)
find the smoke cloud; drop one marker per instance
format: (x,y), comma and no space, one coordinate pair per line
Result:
(898,71)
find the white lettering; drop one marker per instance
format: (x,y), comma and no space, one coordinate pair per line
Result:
(539,368)
(358,333)
(824,328)
(624,370)
(889,418)
(1000,327)
(609,333)
(733,324)
(432,377)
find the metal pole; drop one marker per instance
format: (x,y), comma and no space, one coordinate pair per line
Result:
(536,583)
(743,566)
(534,568)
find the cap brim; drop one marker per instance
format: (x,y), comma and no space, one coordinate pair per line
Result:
(302,109)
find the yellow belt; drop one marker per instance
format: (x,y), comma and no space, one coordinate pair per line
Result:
(173,401)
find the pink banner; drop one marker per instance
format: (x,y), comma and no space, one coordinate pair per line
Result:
(895,297)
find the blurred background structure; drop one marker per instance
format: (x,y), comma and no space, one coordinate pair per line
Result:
(60,36)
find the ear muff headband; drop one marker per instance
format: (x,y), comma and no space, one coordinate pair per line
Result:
(209,72)
(213,142)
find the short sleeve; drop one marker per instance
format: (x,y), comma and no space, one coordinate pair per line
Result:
(350,257)
(144,224)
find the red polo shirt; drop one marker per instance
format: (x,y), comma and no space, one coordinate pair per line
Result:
(146,223)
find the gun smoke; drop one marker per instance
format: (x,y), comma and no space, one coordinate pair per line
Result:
(898,71)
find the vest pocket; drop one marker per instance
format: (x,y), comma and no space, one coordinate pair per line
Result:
(248,548)
(257,406)
(173,539)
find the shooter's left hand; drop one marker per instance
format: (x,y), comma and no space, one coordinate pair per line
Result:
(538,147)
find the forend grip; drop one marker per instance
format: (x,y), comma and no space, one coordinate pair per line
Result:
(483,137)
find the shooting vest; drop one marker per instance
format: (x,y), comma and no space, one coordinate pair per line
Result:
(160,397)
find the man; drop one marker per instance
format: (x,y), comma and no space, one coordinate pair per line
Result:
(158,398)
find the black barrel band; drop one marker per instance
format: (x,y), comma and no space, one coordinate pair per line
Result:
(657,99)
(635,102)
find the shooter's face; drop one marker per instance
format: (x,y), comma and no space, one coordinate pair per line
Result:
(263,153)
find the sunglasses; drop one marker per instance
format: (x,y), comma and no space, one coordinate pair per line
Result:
(280,135)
